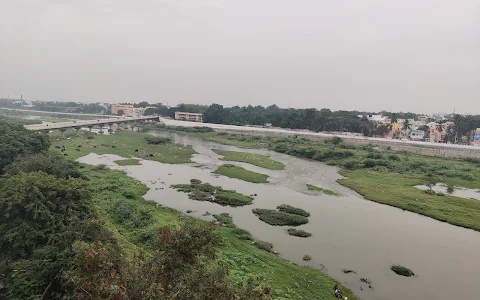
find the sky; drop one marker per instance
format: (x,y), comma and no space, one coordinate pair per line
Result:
(369,55)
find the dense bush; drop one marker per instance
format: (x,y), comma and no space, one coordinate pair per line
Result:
(298,232)
(157,140)
(263,245)
(293,210)
(207,192)
(15,141)
(279,218)
(401,270)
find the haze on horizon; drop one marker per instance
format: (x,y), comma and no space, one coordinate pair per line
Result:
(421,56)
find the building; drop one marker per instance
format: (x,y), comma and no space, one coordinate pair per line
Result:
(379,119)
(126,108)
(186,116)
(417,135)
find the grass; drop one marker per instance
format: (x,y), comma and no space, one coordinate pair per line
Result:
(135,222)
(298,232)
(251,158)
(225,220)
(206,192)
(279,218)
(401,270)
(325,191)
(127,162)
(266,246)
(233,171)
(293,210)
(125,144)
(399,191)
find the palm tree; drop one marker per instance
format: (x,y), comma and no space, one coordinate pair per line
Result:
(406,126)
(456,123)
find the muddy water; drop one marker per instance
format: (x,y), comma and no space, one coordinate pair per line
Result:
(348,231)
(458,192)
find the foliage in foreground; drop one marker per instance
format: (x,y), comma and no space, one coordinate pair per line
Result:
(206,192)
(15,140)
(279,218)
(237,172)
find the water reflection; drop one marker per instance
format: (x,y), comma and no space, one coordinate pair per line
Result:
(348,231)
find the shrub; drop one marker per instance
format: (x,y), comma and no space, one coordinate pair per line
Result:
(467,177)
(374,155)
(350,164)
(263,245)
(293,210)
(401,270)
(157,140)
(307,257)
(298,232)
(394,157)
(279,218)
(207,192)
(242,234)
(225,219)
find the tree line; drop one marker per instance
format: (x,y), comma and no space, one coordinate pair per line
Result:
(56,243)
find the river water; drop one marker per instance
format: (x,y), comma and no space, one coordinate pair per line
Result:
(348,232)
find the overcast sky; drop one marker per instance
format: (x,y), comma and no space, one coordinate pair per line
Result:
(402,55)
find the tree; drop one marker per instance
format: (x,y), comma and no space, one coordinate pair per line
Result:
(15,140)
(406,126)
(39,209)
(120,112)
(142,104)
(49,162)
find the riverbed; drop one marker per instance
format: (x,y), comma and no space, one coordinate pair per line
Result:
(348,232)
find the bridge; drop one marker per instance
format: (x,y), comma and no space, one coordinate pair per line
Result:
(62,126)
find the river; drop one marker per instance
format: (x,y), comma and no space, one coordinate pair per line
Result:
(348,232)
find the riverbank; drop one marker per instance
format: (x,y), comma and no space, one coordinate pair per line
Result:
(127,144)
(383,175)
(119,200)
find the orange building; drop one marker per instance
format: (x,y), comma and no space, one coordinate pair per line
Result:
(185,116)
(126,108)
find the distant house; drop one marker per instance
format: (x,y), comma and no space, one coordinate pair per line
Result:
(126,108)
(417,135)
(186,116)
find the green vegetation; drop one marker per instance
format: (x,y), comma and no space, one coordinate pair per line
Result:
(307,257)
(293,210)
(399,191)
(126,144)
(401,270)
(266,246)
(195,129)
(298,232)
(127,162)
(386,176)
(100,237)
(325,191)
(233,171)
(279,218)
(157,140)
(206,192)
(15,140)
(251,158)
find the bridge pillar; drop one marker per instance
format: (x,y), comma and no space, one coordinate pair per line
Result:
(62,130)
(90,128)
(77,129)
